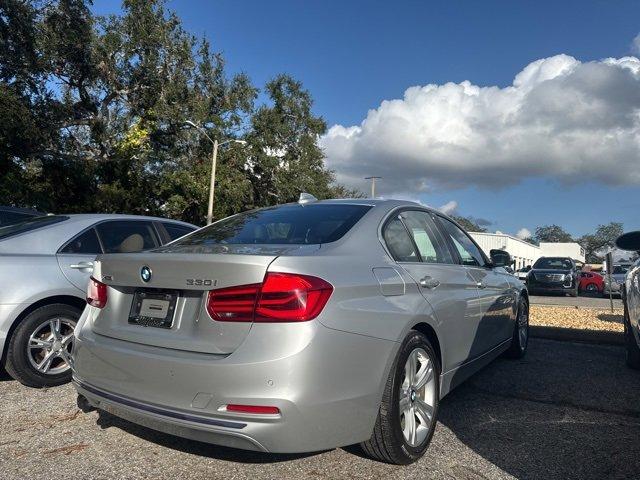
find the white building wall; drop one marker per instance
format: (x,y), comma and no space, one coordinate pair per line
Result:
(523,253)
(572,250)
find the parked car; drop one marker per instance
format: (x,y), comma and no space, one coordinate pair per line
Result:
(617,280)
(523,272)
(11,215)
(553,275)
(299,327)
(631,300)
(45,265)
(590,282)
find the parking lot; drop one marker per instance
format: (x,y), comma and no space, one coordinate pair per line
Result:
(565,411)
(583,301)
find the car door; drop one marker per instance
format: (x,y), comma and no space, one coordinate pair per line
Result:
(419,247)
(496,292)
(75,257)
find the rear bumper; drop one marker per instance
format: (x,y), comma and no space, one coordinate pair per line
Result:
(327,384)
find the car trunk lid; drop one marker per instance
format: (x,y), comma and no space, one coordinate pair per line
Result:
(185,278)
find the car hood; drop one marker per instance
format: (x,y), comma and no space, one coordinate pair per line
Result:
(551,271)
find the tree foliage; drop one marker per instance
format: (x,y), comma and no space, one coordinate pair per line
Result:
(551,233)
(469,224)
(94,112)
(597,243)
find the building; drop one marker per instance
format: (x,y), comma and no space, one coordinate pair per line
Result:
(524,253)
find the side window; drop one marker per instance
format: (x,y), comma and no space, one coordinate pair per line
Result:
(126,236)
(398,242)
(175,230)
(431,245)
(85,243)
(469,253)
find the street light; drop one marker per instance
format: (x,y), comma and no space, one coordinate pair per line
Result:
(214,157)
(373,185)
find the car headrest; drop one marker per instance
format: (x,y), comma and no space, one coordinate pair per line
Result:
(133,243)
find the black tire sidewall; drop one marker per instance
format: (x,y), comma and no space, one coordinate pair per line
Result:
(414,340)
(17,362)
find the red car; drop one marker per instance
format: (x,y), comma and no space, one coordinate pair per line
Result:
(591,282)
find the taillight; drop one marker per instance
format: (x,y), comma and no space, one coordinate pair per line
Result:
(96,293)
(282,297)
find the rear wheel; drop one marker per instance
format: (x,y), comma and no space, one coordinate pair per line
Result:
(408,413)
(39,350)
(633,350)
(520,339)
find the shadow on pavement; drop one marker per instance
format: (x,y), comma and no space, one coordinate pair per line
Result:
(565,411)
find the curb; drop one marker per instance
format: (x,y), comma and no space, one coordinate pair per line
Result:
(574,335)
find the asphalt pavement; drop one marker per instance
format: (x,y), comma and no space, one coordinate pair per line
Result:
(566,411)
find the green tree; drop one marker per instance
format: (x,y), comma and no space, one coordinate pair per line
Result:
(469,224)
(604,237)
(551,233)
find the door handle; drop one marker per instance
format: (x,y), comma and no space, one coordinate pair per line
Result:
(429,282)
(81,265)
(481,285)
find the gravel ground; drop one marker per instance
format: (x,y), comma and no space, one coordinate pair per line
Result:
(577,318)
(565,411)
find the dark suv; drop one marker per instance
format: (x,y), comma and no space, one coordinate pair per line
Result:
(553,275)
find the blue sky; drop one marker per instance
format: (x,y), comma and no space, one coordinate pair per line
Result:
(352,55)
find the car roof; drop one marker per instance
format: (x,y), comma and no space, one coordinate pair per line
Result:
(91,217)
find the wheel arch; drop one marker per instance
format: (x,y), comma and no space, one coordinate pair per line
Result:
(429,332)
(63,299)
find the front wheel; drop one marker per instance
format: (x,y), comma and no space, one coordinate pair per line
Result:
(520,339)
(39,350)
(408,413)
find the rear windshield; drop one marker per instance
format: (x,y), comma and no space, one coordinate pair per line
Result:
(30,224)
(283,225)
(553,263)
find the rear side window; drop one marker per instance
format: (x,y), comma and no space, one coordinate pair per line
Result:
(85,243)
(286,224)
(431,245)
(399,242)
(126,236)
(175,230)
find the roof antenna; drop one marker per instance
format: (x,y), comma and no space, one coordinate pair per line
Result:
(306,198)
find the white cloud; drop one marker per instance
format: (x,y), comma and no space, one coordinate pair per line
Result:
(523,233)
(449,208)
(635,44)
(560,118)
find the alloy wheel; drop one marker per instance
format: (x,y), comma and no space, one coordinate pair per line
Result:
(49,346)
(417,397)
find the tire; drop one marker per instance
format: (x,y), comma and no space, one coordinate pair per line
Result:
(520,339)
(592,289)
(632,348)
(24,353)
(389,443)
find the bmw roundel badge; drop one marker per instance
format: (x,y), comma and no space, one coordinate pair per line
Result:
(145,274)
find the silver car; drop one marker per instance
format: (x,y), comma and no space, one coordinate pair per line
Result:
(299,328)
(45,264)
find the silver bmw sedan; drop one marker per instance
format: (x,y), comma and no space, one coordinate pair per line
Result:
(299,327)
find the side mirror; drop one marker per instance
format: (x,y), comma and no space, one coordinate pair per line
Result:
(629,241)
(500,258)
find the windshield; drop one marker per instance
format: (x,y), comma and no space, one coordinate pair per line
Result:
(620,269)
(286,224)
(30,224)
(553,264)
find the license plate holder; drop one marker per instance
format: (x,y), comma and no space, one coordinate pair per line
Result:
(153,308)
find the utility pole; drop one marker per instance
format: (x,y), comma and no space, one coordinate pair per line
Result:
(373,185)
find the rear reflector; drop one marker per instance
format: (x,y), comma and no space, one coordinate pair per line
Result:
(255,409)
(282,297)
(96,293)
